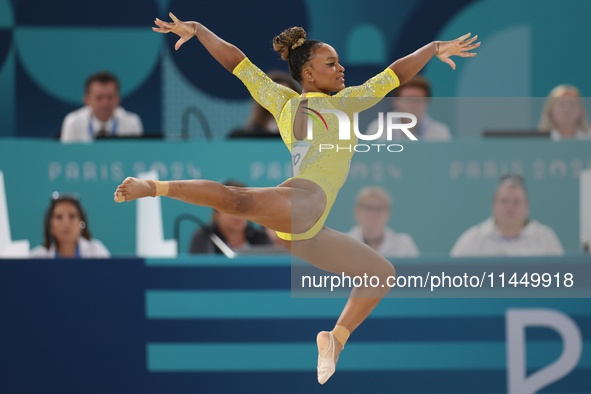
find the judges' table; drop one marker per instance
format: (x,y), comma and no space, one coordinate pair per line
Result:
(439,189)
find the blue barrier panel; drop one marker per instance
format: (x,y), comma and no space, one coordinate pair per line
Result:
(158,326)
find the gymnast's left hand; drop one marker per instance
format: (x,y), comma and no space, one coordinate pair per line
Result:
(185,30)
(458,47)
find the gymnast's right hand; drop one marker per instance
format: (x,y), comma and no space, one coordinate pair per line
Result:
(133,188)
(185,30)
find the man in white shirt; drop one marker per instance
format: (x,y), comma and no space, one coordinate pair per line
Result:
(372,213)
(508,232)
(413,97)
(101,116)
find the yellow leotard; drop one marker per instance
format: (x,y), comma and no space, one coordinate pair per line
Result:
(327,168)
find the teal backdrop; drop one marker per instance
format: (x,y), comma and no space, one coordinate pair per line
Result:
(439,189)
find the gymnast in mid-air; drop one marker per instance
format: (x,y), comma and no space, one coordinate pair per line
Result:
(297,208)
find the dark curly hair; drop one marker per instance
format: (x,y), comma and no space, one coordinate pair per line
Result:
(300,55)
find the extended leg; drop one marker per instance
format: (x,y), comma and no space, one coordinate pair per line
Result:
(271,207)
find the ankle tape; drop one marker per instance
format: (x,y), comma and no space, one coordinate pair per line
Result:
(161,188)
(341,334)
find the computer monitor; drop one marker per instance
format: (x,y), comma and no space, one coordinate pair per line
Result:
(515,133)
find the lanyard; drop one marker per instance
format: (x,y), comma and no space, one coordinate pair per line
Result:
(57,255)
(421,129)
(113,127)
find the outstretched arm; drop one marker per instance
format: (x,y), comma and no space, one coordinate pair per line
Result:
(410,65)
(225,53)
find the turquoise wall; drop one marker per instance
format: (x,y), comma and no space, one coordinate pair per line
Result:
(439,189)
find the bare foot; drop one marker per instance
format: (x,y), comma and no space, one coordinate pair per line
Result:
(133,188)
(326,366)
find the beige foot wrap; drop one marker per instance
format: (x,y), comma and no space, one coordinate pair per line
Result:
(161,188)
(341,334)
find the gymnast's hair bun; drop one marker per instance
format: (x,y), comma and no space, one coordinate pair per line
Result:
(288,41)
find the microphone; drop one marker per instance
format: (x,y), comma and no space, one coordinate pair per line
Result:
(226,250)
(202,120)
(222,245)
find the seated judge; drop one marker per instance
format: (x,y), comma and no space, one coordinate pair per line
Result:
(101,115)
(509,231)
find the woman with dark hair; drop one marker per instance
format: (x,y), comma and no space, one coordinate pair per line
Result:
(297,208)
(66,233)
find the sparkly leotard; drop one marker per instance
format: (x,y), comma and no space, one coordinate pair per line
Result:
(327,168)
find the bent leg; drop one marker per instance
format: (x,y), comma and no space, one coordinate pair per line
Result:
(292,207)
(340,253)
